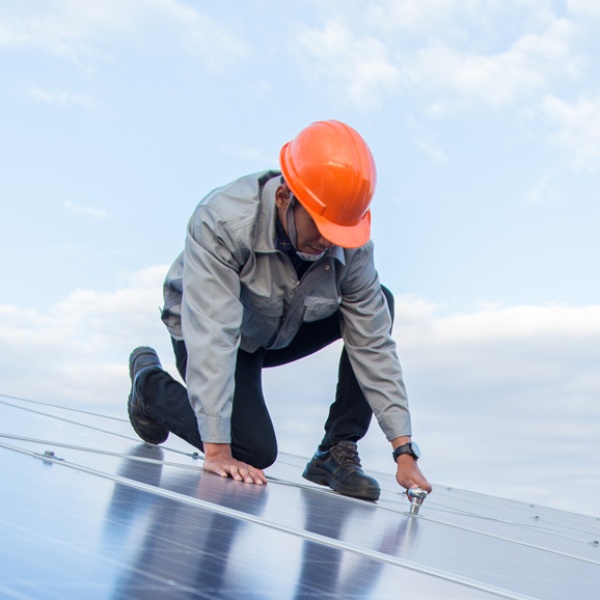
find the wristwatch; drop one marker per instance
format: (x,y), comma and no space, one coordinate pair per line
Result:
(410,448)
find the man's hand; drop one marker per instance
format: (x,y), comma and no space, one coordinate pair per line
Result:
(218,459)
(409,475)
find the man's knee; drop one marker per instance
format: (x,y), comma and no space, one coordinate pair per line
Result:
(260,456)
(266,458)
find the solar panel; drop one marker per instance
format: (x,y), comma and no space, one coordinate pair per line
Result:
(88,511)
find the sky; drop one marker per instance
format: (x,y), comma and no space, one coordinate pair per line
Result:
(118,116)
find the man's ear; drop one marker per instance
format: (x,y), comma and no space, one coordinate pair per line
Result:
(282,197)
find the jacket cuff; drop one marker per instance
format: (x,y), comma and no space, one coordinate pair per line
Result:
(395,425)
(215,430)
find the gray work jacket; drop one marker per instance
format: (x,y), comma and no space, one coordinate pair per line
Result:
(231,288)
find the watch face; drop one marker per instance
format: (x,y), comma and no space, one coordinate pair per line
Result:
(416,450)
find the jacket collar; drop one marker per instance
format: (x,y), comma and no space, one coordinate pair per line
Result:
(265,232)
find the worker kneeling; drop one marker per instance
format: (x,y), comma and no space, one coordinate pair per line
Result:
(276,266)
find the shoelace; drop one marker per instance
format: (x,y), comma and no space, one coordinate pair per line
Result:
(346,454)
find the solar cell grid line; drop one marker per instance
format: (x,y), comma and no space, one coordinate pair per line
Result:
(316,587)
(85,425)
(100,451)
(61,407)
(477,497)
(307,535)
(156,580)
(287,477)
(282,482)
(500,503)
(65,420)
(513,512)
(538,526)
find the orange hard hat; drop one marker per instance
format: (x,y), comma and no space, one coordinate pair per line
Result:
(330,170)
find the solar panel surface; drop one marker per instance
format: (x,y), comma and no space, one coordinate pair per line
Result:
(89,512)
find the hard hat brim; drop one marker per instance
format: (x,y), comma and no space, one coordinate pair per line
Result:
(346,236)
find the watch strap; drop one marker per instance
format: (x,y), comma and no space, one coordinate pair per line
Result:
(405,449)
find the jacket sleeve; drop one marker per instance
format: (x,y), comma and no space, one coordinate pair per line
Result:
(366,330)
(211,320)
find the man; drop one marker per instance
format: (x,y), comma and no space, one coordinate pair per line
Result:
(276,266)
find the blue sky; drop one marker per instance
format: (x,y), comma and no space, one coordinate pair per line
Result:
(484,120)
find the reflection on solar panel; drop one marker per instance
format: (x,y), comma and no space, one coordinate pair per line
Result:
(87,512)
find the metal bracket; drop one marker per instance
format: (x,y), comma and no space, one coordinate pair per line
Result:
(48,454)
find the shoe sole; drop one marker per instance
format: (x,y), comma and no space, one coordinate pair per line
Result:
(132,419)
(324,478)
(139,352)
(142,434)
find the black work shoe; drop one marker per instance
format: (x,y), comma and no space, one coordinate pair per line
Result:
(143,359)
(339,468)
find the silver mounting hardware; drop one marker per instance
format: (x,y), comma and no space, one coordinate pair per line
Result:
(417,497)
(48,456)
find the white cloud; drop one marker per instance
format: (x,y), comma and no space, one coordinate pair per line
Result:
(513,323)
(423,17)
(431,147)
(504,400)
(578,129)
(588,9)
(40,31)
(356,67)
(71,28)
(427,141)
(64,99)
(449,55)
(78,349)
(543,191)
(453,77)
(88,211)
(478,22)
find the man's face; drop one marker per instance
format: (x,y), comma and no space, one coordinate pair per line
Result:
(310,239)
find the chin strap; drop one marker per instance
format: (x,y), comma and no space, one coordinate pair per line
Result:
(293,233)
(291,222)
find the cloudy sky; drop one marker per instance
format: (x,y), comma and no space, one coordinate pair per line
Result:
(117,116)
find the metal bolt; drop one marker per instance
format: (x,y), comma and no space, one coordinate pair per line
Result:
(417,497)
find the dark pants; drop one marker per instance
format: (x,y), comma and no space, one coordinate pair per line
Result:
(252,435)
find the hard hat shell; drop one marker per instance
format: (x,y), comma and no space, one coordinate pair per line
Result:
(330,170)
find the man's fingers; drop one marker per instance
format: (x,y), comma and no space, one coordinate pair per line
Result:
(247,474)
(244,474)
(410,476)
(237,471)
(255,476)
